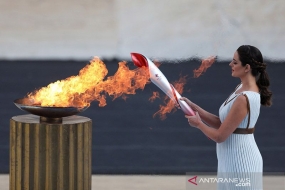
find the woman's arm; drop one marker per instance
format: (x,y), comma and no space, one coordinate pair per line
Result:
(209,118)
(235,116)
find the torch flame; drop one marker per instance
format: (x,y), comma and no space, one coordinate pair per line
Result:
(89,85)
(170,104)
(206,63)
(179,86)
(154,96)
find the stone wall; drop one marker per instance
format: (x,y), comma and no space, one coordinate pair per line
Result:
(68,29)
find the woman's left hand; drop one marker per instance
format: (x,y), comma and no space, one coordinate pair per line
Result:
(195,120)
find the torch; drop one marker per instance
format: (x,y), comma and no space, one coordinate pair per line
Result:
(158,78)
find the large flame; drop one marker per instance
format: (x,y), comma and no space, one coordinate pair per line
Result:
(89,85)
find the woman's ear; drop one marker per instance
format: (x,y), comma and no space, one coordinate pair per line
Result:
(247,68)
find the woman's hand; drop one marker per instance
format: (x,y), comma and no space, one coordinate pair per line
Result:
(193,106)
(194,120)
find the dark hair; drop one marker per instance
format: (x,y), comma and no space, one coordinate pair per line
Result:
(252,56)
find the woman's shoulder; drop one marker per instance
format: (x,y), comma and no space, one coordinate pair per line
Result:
(241,100)
(252,96)
(250,93)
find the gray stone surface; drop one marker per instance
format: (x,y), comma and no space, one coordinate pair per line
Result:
(41,29)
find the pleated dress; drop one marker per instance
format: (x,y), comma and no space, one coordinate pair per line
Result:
(238,156)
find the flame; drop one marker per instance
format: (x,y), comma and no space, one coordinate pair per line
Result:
(170,104)
(206,63)
(89,85)
(154,96)
(179,86)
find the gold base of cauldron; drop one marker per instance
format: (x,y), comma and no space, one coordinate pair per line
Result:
(50,156)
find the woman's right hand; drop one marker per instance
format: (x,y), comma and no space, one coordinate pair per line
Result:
(193,106)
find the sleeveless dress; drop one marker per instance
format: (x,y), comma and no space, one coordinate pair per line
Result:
(238,156)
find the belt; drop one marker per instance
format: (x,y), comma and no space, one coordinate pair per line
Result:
(244,130)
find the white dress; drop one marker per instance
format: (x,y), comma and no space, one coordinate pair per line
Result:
(238,156)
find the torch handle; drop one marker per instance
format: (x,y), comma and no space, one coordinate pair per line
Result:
(183,105)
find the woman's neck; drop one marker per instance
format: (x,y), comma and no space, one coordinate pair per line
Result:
(249,83)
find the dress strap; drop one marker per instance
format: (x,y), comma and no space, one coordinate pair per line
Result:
(248,108)
(246,130)
(238,86)
(231,94)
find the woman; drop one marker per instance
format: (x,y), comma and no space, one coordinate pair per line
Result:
(237,151)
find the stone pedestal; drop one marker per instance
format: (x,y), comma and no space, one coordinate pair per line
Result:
(47,156)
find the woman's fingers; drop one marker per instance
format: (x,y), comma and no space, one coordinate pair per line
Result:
(198,116)
(194,120)
(186,100)
(177,106)
(191,104)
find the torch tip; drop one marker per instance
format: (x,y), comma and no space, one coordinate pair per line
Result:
(139,60)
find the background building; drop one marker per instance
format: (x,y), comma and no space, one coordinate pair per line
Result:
(50,29)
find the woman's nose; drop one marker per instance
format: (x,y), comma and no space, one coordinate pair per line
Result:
(231,64)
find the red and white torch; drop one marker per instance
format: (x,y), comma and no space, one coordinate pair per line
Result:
(158,78)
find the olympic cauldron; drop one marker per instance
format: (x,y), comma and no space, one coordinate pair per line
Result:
(50,148)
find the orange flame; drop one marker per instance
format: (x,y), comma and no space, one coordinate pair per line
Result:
(154,96)
(206,63)
(170,104)
(89,85)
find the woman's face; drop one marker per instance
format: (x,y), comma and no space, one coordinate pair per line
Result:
(237,69)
